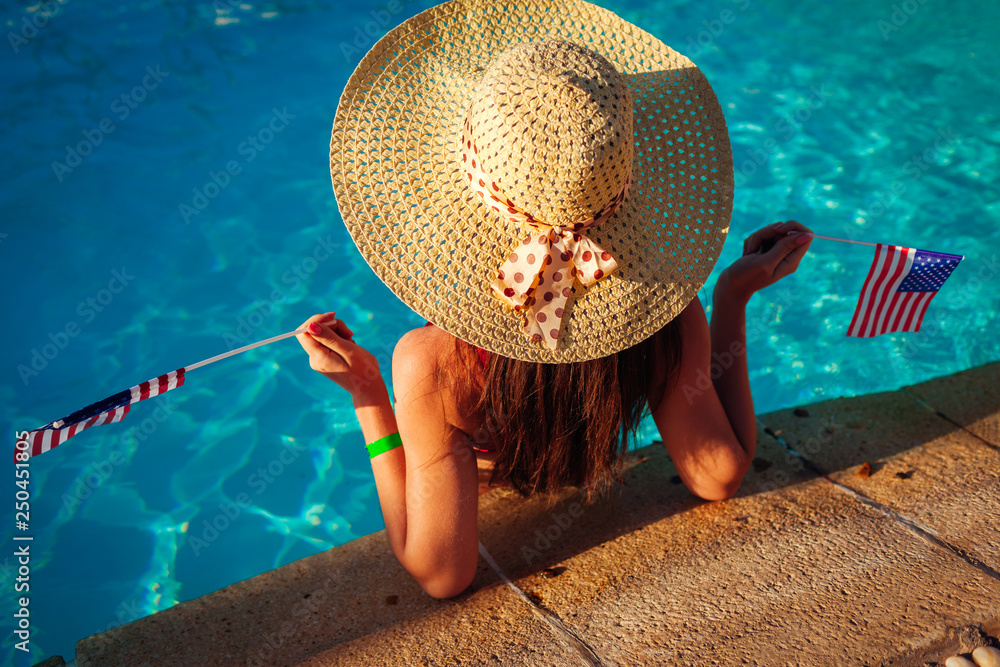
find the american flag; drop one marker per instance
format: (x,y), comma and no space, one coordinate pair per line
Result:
(111,409)
(898,289)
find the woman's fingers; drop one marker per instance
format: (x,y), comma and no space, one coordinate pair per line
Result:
(327,342)
(790,262)
(330,319)
(760,238)
(305,340)
(795,226)
(793,248)
(780,247)
(340,327)
(331,351)
(333,336)
(326,333)
(322,357)
(321,317)
(776,241)
(763,240)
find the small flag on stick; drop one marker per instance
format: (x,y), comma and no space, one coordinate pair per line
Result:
(898,289)
(114,408)
(111,409)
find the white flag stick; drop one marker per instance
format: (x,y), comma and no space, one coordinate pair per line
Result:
(831,238)
(241,350)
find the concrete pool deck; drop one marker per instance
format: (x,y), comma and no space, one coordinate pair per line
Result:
(810,564)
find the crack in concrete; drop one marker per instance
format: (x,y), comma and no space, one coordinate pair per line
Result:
(588,656)
(948,419)
(924,532)
(927,533)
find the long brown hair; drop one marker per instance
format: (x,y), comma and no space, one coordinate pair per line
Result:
(556,425)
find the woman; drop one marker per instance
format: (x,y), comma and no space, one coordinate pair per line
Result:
(429,495)
(440,164)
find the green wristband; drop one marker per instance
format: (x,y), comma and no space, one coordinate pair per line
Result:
(382,445)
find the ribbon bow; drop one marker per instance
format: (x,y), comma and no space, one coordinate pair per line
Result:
(537,277)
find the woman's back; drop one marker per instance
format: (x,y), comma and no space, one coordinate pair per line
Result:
(459,411)
(462,385)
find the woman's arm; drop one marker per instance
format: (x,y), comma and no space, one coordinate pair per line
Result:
(707,421)
(440,546)
(693,422)
(728,367)
(427,487)
(769,255)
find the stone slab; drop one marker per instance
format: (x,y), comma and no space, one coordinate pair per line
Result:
(800,575)
(970,398)
(54,661)
(922,465)
(310,606)
(843,433)
(492,627)
(530,536)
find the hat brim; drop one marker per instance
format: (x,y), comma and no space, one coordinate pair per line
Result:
(402,194)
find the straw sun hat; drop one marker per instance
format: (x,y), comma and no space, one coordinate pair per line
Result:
(542,179)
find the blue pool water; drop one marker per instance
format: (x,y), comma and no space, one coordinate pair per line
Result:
(871,120)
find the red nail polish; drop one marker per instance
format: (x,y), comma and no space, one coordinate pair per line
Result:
(315,328)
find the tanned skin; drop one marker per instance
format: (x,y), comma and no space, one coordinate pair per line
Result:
(428,489)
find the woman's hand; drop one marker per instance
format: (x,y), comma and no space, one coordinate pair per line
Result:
(769,254)
(333,352)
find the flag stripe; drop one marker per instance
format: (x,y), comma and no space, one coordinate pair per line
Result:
(886,310)
(880,267)
(901,313)
(903,259)
(892,263)
(878,294)
(888,267)
(866,292)
(919,311)
(888,264)
(904,313)
(44,440)
(913,318)
(892,310)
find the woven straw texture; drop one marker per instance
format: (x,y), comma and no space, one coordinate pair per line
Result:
(402,192)
(546,123)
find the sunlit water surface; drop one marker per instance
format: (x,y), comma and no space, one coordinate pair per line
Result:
(259,461)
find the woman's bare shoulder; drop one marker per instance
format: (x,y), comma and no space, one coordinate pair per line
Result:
(426,344)
(434,350)
(426,352)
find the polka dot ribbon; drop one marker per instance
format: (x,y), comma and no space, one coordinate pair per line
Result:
(537,277)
